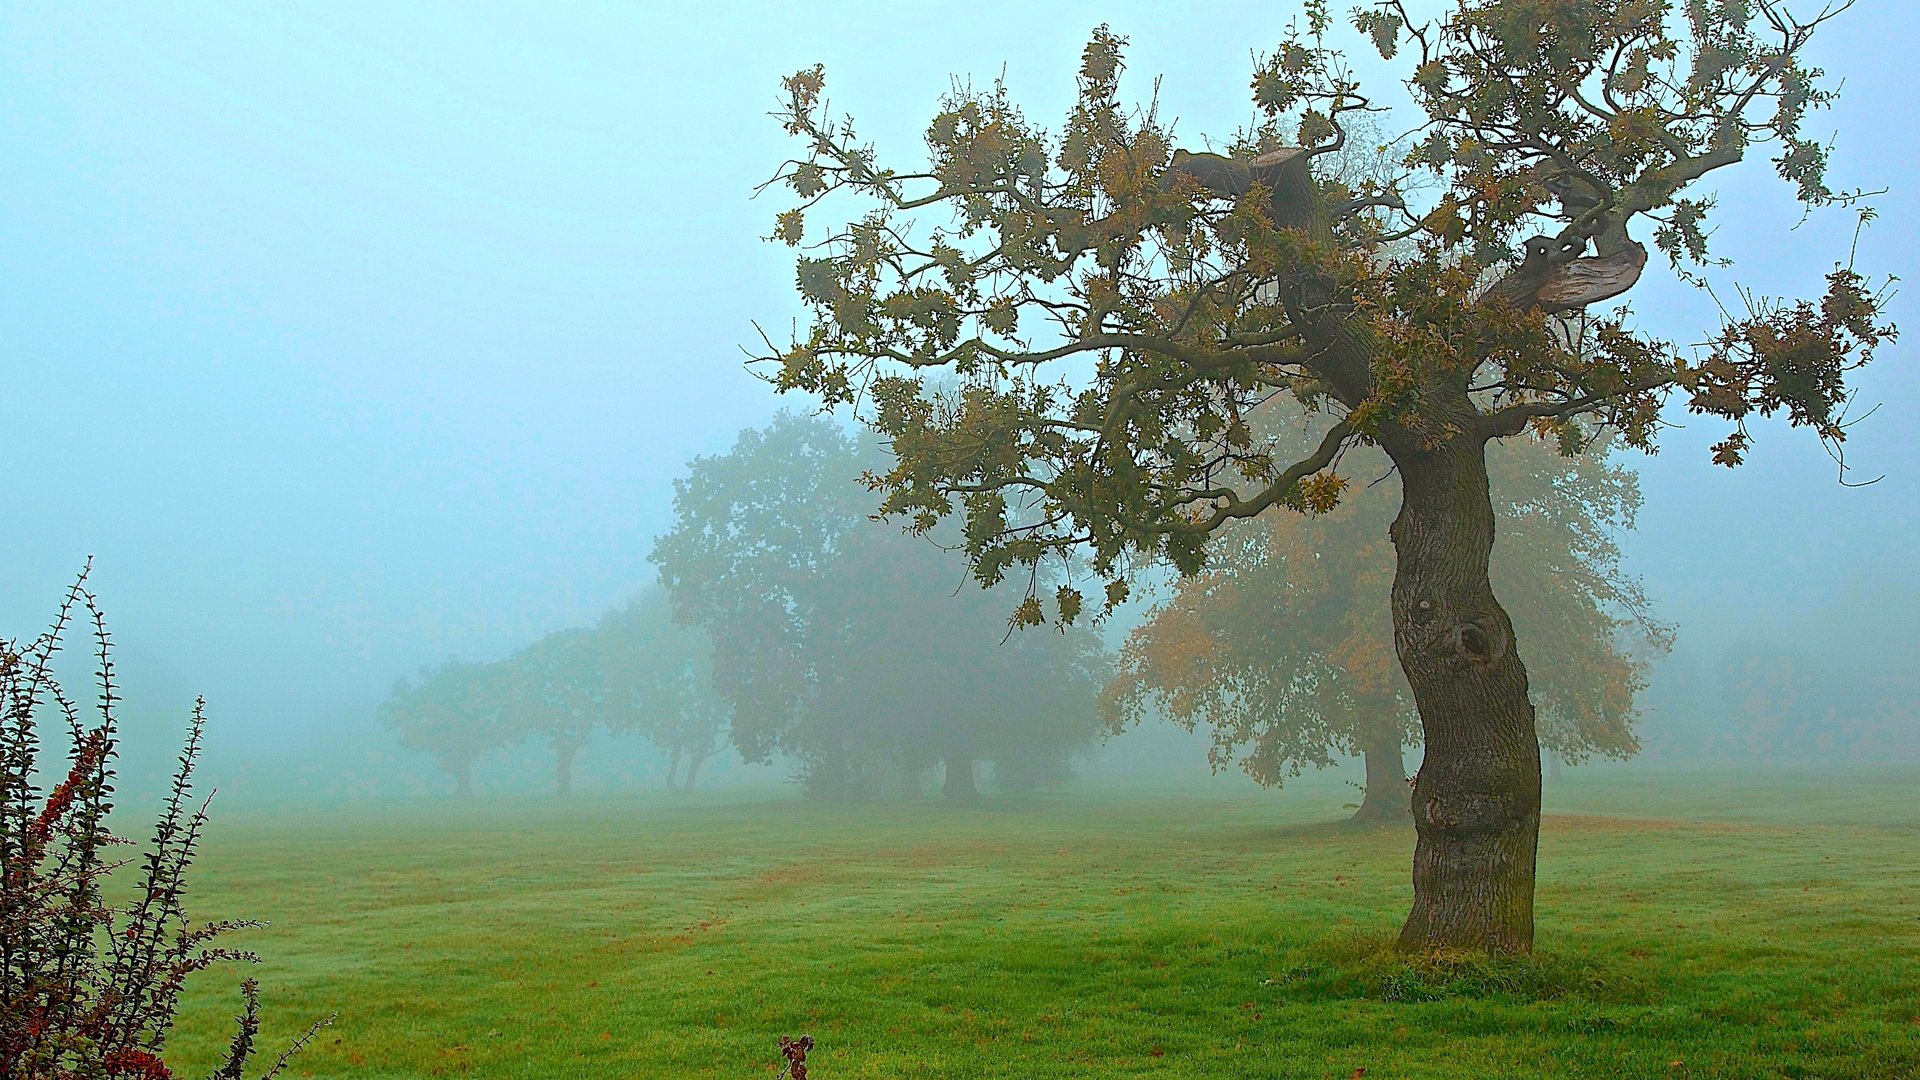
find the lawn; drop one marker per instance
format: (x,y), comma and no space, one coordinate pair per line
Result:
(1689,926)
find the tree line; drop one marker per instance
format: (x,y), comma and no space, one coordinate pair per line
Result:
(787,624)
(632,673)
(790,624)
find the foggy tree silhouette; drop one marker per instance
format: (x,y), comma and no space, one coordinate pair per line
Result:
(848,646)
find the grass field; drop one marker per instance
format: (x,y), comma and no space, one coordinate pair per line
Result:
(1689,926)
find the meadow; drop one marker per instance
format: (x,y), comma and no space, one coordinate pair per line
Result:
(1729,925)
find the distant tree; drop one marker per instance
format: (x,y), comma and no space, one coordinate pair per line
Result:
(455,711)
(1052,711)
(558,689)
(659,678)
(944,681)
(1061,336)
(852,648)
(757,534)
(1771,700)
(1283,646)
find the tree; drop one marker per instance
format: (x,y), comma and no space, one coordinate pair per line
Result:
(557,689)
(455,712)
(757,532)
(660,681)
(841,642)
(1061,337)
(1283,646)
(933,658)
(1053,712)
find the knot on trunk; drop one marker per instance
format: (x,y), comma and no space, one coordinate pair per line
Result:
(1479,640)
(1463,815)
(1438,817)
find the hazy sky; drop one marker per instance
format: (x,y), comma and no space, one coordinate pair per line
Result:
(348,336)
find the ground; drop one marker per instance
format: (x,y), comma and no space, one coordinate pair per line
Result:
(1689,926)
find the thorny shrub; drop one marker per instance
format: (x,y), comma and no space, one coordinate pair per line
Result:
(88,987)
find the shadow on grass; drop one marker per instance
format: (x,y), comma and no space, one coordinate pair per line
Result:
(1368,967)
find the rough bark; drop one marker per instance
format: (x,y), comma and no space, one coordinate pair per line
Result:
(1385,801)
(673,769)
(563,756)
(1476,800)
(959,786)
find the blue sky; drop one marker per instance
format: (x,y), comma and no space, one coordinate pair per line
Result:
(349,336)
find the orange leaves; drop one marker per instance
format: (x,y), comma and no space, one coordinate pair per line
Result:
(1792,358)
(803,90)
(1321,493)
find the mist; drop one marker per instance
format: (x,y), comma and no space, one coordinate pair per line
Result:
(351,338)
(388,365)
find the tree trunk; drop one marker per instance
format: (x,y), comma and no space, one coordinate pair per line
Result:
(828,780)
(693,771)
(673,768)
(1476,800)
(959,786)
(563,768)
(1385,801)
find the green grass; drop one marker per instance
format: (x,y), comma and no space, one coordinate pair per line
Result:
(1689,926)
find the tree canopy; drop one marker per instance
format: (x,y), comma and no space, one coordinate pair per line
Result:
(634,671)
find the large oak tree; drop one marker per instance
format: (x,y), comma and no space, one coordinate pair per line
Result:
(1062,334)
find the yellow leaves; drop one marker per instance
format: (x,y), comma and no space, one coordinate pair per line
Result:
(1321,493)
(807,180)
(1315,128)
(1001,317)
(1632,77)
(1029,613)
(1068,600)
(1382,27)
(1100,63)
(1445,221)
(787,227)
(1431,76)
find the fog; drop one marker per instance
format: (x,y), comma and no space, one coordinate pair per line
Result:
(350,337)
